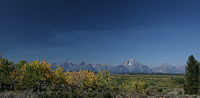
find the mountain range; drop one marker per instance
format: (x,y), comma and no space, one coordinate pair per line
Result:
(128,66)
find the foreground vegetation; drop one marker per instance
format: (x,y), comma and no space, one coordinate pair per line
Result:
(37,76)
(40,81)
(156,83)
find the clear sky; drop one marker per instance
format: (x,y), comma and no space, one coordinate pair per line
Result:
(97,31)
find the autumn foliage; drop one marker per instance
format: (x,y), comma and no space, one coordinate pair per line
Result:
(38,76)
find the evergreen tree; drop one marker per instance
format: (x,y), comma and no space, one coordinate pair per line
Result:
(191,75)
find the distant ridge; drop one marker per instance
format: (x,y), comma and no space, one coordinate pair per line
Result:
(68,65)
(182,68)
(128,66)
(167,68)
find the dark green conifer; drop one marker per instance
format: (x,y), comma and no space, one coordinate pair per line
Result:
(191,75)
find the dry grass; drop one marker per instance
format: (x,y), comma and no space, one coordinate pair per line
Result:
(18,94)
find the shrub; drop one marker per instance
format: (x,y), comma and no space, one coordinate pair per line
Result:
(160,90)
(152,84)
(179,92)
(107,95)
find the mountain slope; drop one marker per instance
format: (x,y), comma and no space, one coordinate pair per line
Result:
(67,64)
(181,68)
(119,69)
(134,66)
(104,66)
(83,66)
(167,68)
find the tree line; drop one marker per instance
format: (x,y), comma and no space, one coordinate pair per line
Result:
(38,76)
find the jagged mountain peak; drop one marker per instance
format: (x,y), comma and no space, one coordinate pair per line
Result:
(66,61)
(131,59)
(135,66)
(166,64)
(131,62)
(66,64)
(105,63)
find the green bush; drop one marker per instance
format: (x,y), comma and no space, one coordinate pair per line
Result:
(107,95)
(159,89)
(179,92)
(93,95)
(178,81)
(152,84)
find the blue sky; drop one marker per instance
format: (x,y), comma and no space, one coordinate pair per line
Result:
(151,31)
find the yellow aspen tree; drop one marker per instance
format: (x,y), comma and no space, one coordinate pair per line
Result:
(59,79)
(5,68)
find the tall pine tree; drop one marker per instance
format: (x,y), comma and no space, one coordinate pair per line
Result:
(191,75)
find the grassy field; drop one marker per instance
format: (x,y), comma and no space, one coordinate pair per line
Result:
(156,83)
